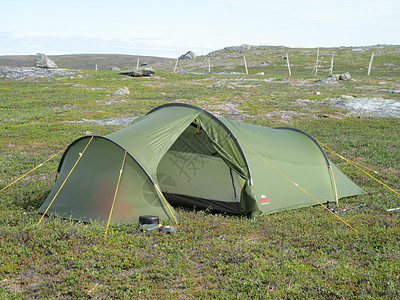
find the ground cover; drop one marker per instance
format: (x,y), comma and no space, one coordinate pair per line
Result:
(306,253)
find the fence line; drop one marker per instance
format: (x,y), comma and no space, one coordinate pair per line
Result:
(298,65)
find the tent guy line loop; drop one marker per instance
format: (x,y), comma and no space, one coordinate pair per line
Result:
(303,190)
(358,167)
(115,194)
(80,156)
(38,166)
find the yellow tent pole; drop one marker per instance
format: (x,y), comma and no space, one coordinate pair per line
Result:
(115,195)
(334,184)
(166,202)
(51,157)
(80,156)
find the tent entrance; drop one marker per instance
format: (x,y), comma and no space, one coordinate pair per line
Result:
(192,173)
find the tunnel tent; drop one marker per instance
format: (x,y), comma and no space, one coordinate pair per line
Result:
(181,155)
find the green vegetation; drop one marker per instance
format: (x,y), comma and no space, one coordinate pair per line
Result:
(306,253)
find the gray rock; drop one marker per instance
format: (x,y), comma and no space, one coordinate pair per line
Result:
(334,78)
(329,79)
(240,48)
(345,76)
(17,73)
(377,107)
(111,121)
(187,55)
(139,72)
(393,92)
(42,61)
(120,92)
(115,69)
(345,98)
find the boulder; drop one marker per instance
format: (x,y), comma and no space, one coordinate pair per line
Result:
(187,55)
(120,92)
(329,79)
(42,61)
(240,48)
(335,77)
(18,73)
(345,76)
(139,72)
(345,98)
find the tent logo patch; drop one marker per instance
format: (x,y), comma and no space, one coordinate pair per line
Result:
(264,199)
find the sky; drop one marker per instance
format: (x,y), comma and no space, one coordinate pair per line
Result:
(171,28)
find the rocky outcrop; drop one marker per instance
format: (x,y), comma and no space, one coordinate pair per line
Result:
(120,92)
(345,76)
(187,55)
(17,73)
(42,61)
(335,78)
(139,72)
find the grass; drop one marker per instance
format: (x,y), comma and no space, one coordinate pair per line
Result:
(304,253)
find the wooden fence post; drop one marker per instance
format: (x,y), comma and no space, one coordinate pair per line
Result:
(288,64)
(370,63)
(331,69)
(315,69)
(245,65)
(176,65)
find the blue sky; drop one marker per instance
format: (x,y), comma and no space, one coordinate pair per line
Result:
(170,28)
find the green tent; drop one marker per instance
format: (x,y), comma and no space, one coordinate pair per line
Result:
(181,155)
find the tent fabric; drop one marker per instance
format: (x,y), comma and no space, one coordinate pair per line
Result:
(182,155)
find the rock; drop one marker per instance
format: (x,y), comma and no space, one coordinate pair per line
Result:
(334,78)
(345,76)
(392,92)
(240,48)
(187,55)
(18,73)
(329,79)
(42,61)
(115,69)
(139,72)
(111,121)
(261,73)
(123,91)
(345,97)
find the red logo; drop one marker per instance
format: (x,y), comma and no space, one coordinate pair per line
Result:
(264,198)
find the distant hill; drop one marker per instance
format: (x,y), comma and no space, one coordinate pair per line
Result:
(85,61)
